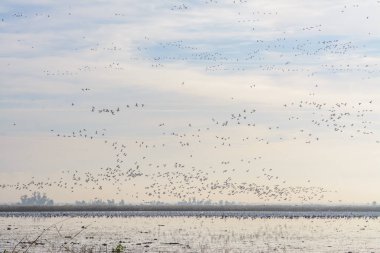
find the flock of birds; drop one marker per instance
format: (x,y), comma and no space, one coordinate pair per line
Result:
(138,172)
(177,181)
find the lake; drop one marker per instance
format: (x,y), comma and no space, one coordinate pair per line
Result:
(190,232)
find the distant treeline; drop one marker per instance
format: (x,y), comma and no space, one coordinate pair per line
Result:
(112,202)
(100,202)
(184,208)
(39,202)
(40,199)
(37,199)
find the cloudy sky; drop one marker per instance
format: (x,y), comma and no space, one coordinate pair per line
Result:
(169,100)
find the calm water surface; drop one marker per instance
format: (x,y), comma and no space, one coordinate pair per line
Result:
(189,233)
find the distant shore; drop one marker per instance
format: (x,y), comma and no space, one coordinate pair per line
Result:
(194,208)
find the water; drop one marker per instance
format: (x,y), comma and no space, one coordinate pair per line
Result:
(190,232)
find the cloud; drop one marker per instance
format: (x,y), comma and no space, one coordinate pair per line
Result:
(191,65)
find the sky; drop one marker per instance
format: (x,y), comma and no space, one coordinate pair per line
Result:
(182,100)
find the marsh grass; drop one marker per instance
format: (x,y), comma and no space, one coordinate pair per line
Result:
(67,245)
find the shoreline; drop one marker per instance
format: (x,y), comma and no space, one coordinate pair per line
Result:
(190,208)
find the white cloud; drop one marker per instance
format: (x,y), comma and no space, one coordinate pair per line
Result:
(55,49)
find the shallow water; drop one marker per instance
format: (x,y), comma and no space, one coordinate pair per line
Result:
(192,233)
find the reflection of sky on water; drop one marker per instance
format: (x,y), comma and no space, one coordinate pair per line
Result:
(187,234)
